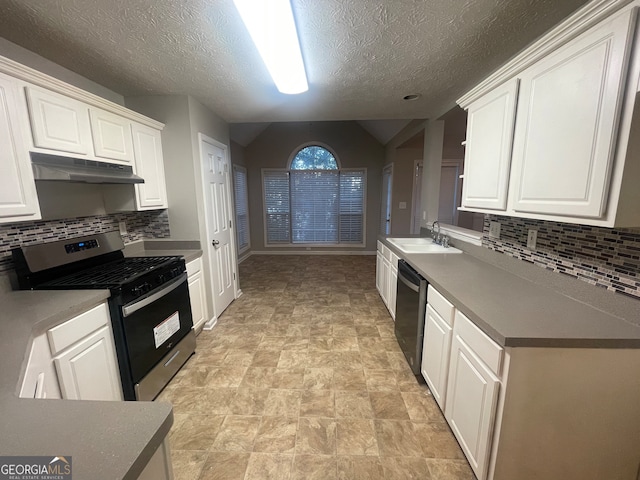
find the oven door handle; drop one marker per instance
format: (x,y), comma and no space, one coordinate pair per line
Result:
(135,306)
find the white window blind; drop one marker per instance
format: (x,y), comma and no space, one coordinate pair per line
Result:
(351,206)
(241,195)
(276,203)
(314,206)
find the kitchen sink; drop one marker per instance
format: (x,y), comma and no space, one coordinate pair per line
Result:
(420,245)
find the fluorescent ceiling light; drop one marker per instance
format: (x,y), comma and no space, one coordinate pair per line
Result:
(273,30)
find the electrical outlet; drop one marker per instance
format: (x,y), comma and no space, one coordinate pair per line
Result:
(494,229)
(532,238)
(123,227)
(402,206)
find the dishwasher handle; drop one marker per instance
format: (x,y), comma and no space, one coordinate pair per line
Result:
(408,283)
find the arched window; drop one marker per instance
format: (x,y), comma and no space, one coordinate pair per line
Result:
(314,157)
(314,202)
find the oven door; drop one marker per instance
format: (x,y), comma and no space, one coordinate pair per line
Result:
(154,324)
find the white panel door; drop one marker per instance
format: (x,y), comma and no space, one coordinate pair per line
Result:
(567,123)
(111,136)
(149,164)
(88,370)
(59,122)
(487,158)
(472,393)
(435,354)
(18,197)
(218,206)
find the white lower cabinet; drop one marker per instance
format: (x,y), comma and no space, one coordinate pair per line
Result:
(85,358)
(471,404)
(197,293)
(88,370)
(40,379)
(392,285)
(435,354)
(387,277)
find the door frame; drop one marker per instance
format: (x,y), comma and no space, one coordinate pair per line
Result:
(383,203)
(202,138)
(417,187)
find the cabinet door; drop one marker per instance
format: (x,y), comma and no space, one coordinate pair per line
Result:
(40,379)
(197,296)
(379,284)
(18,198)
(386,274)
(111,136)
(435,354)
(393,291)
(567,123)
(88,370)
(59,122)
(487,160)
(147,144)
(472,393)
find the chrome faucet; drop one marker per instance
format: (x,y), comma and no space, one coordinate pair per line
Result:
(439,239)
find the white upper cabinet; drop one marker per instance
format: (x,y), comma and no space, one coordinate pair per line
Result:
(111,136)
(568,114)
(18,198)
(487,160)
(147,144)
(568,101)
(58,122)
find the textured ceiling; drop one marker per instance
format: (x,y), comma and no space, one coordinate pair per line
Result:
(362,56)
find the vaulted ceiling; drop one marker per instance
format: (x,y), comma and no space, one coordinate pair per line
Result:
(362,56)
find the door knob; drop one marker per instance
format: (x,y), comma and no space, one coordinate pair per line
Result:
(215,243)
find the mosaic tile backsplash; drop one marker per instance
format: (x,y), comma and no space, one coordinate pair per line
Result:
(600,256)
(140,225)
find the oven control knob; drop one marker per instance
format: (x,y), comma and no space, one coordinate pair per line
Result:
(161,278)
(146,287)
(136,291)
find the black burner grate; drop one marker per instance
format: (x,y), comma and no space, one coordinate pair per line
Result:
(110,274)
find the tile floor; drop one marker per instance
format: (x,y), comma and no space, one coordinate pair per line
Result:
(302,378)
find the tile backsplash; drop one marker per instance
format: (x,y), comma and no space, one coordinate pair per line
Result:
(140,225)
(609,258)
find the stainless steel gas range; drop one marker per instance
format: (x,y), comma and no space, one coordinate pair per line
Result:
(149,304)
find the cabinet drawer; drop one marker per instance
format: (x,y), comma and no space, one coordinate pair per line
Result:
(394,260)
(441,305)
(482,346)
(70,332)
(194,266)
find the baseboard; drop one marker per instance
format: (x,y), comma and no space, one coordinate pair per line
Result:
(244,257)
(210,324)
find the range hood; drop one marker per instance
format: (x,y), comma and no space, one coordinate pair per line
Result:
(65,169)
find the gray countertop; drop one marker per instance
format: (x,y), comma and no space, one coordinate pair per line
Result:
(190,250)
(538,311)
(107,440)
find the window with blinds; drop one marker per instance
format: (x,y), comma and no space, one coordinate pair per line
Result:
(276,205)
(314,202)
(241,195)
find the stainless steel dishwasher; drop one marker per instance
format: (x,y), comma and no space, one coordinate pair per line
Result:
(411,304)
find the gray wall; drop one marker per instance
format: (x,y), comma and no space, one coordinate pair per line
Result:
(41,64)
(402,190)
(353,145)
(184,118)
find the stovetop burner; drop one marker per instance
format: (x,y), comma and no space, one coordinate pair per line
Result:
(110,275)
